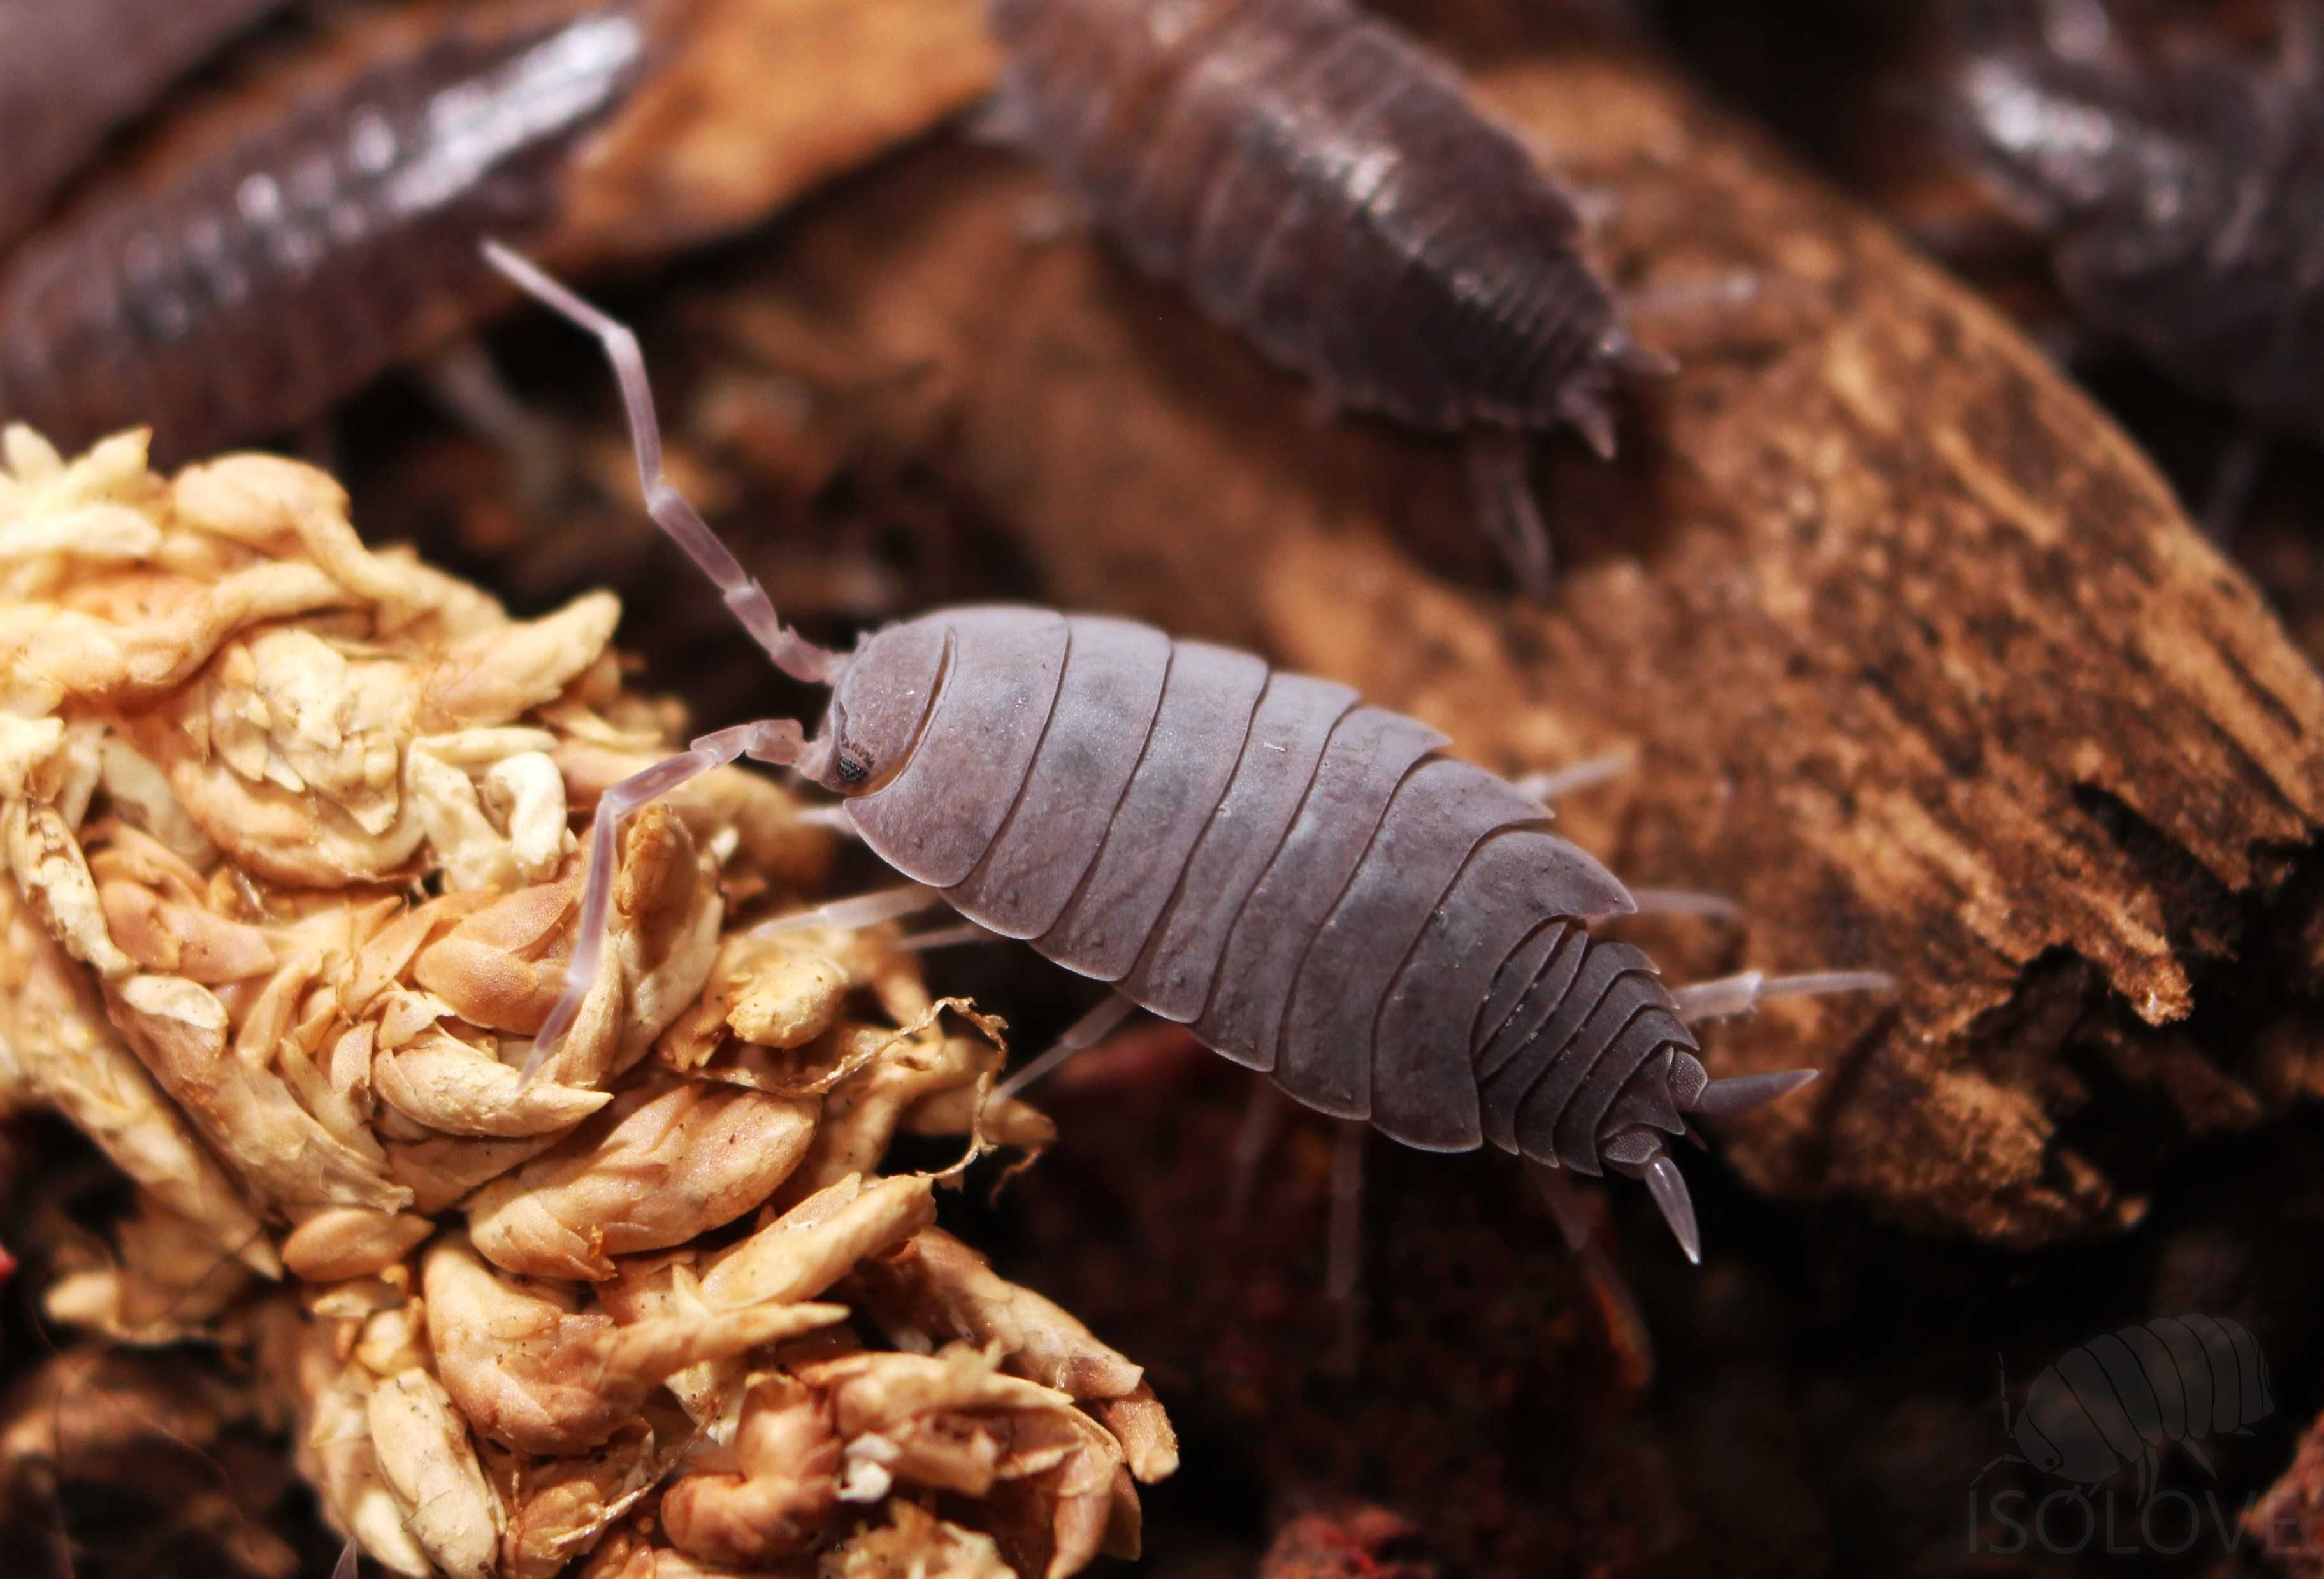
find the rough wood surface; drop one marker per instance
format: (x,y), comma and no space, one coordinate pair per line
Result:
(758,101)
(1918,658)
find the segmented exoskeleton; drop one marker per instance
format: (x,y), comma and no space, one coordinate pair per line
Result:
(1392,935)
(72,69)
(2121,1400)
(1323,184)
(244,296)
(2180,191)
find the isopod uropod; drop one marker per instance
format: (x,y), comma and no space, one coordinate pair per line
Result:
(245,295)
(1320,182)
(1307,882)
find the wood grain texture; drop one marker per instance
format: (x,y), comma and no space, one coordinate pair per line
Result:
(1917,656)
(758,101)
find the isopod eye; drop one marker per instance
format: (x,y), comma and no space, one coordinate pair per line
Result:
(851,769)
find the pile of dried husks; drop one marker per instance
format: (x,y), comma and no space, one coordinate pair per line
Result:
(293,876)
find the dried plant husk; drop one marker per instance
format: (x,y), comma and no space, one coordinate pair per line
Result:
(294,835)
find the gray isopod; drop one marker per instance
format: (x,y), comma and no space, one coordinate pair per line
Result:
(1392,935)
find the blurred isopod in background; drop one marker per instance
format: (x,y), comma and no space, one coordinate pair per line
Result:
(2123,1399)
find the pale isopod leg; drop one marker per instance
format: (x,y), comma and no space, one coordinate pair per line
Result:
(780,741)
(1547,787)
(466,384)
(1263,1121)
(1673,901)
(1723,292)
(1684,902)
(1344,1250)
(946,937)
(1617,1306)
(1735,994)
(1500,483)
(1079,1036)
(792,653)
(1344,1246)
(863,909)
(350,1562)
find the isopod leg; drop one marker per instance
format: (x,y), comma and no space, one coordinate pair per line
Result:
(1079,1036)
(1344,1250)
(1547,787)
(863,909)
(1728,290)
(350,1563)
(1735,994)
(950,937)
(780,741)
(1262,1121)
(1500,483)
(1617,1306)
(671,511)
(1684,902)
(1344,1244)
(467,385)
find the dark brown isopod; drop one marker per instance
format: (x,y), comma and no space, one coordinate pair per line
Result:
(1323,184)
(1394,936)
(246,294)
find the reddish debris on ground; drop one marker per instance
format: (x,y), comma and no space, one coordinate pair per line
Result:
(2289,1521)
(1352,1542)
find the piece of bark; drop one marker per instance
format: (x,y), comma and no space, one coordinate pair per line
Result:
(1917,657)
(758,101)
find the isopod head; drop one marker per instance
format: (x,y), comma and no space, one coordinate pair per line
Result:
(2057,1434)
(880,704)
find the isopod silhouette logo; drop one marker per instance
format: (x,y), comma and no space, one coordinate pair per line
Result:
(2109,1411)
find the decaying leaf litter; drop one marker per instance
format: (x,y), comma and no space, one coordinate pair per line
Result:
(287,826)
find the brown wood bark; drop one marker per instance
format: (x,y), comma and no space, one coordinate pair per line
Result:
(755,102)
(1918,658)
